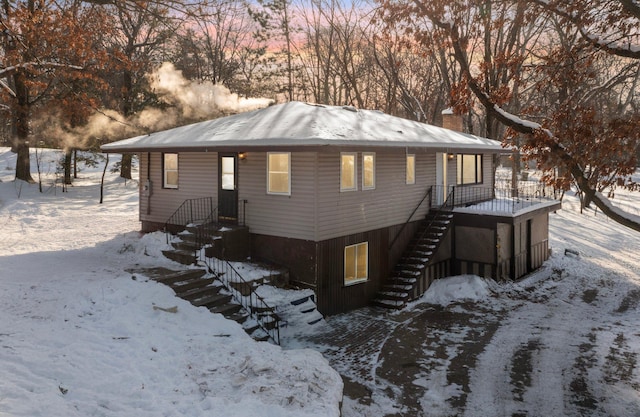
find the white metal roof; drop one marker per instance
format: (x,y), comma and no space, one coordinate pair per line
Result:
(296,124)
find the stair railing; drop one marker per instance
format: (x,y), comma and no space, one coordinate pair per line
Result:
(206,230)
(427,194)
(255,305)
(448,205)
(190,211)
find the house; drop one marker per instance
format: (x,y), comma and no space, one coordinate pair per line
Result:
(345,198)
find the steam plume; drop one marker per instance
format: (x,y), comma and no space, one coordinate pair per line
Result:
(189,101)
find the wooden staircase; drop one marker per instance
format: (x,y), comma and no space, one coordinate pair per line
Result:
(408,279)
(197,287)
(213,291)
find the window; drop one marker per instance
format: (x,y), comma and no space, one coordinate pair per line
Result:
(356,259)
(279,173)
(170,170)
(227,173)
(368,171)
(469,169)
(348,172)
(411,169)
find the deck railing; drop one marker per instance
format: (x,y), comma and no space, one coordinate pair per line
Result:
(265,316)
(500,198)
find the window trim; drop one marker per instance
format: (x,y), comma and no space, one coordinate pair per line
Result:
(288,192)
(356,280)
(406,169)
(373,171)
(165,170)
(478,169)
(355,171)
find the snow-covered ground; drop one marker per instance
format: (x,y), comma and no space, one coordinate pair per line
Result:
(565,341)
(81,336)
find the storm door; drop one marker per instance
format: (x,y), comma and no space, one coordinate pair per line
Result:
(228,188)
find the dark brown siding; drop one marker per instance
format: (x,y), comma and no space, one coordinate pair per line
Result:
(333,295)
(298,255)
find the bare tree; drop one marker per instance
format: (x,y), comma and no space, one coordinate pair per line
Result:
(571,71)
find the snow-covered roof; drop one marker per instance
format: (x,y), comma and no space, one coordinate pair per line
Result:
(297,124)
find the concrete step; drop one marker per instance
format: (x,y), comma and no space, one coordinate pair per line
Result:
(260,335)
(228,309)
(201,292)
(269,322)
(185,246)
(396,287)
(399,280)
(391,304)
(393,295)
(181,256)
(185,286)
(412,269)
(212,301)
(178,276)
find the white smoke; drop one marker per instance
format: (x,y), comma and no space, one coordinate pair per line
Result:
(188,101)
(199,99)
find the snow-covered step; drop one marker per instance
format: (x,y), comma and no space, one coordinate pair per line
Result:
(389,303)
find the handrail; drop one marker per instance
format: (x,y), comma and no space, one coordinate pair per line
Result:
(449,201)
(205,231)
(191,210)
(250,303)
(502,199)
(428,193)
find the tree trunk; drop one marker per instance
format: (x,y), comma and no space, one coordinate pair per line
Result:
(67,166)
(23,162)
(21,120)
(125,166)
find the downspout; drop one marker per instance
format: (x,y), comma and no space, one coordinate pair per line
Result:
(149,180)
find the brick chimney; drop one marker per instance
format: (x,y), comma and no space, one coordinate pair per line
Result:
(451,121)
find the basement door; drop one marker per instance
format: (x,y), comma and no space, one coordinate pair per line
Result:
(228,188)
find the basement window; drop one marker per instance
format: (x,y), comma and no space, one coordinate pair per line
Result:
(279,173)
(170,170)
(348,172)
(356,260)
(469,169)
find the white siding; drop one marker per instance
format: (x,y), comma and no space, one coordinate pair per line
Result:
(279,215)
(390,203)
(197,177)
(316,210)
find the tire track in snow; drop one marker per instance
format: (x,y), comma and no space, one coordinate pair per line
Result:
(547,335)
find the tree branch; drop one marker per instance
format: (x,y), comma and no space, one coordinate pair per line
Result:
(615,47)
(8,71)
(531,129)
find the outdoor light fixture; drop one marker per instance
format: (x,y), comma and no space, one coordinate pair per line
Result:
(451,156)
(242,156)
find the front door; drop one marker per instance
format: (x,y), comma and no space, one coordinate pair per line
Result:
(228,188)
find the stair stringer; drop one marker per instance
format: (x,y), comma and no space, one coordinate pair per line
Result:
(416,270)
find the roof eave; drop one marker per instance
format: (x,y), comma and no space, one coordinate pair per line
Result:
(308,146)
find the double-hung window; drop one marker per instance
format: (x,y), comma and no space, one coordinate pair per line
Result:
(348,172)
(279,173)
(356,260)
(170,170)
(469,169)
